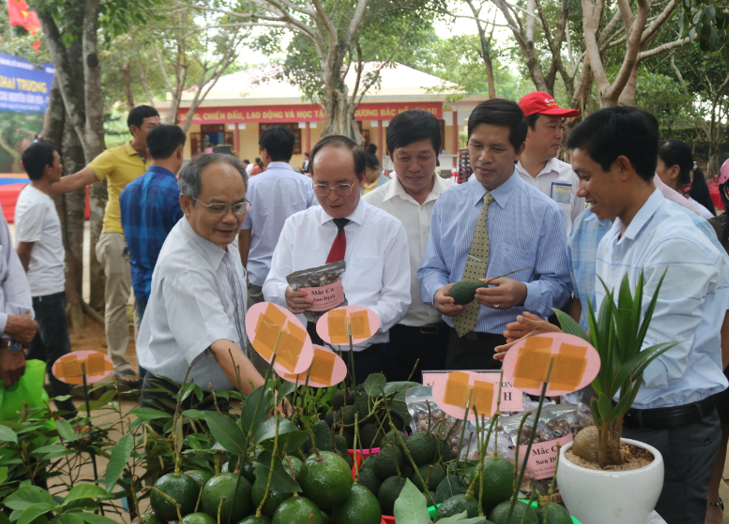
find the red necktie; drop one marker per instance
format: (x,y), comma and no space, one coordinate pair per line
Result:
(339,246)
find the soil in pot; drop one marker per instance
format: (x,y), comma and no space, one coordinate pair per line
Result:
(633,458)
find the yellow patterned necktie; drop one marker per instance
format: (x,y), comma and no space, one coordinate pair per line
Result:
(476,264)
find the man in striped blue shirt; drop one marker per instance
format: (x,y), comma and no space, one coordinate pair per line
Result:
(150,208)
(522,229)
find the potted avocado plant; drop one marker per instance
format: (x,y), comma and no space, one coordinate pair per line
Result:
(613,495)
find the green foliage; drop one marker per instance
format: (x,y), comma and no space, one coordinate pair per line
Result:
(707,21)
(617,333)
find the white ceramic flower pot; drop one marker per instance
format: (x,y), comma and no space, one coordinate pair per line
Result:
(610,497)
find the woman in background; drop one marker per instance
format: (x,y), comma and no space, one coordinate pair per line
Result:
(374,177)
(258,167)
(675,163)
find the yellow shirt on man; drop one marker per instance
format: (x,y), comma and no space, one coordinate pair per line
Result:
(120,165)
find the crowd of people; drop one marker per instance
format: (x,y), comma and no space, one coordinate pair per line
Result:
(198,243)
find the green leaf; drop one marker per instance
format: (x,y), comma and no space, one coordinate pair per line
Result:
(296,439)
(34,511)
(3,474)
(104,399)
(462,518)
(65,429)
(392,387)
(374,384)
(4,518)
(281,480)
(150,414)
(249,417)
(7,434)
(570,326)
(604,405)
(194,413)
(27,496)
(226,433)
(118,461)
(86,491)
(67,518)
(187,390)
(91,518)
(411,506)
(179,436)
(267,430)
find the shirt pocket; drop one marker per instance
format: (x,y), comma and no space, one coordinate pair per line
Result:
(365,273)
(509,258)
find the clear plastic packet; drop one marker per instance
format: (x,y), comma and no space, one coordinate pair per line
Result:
(323,284)
(426,415)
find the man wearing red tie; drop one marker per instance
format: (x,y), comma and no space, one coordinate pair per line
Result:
(372,242)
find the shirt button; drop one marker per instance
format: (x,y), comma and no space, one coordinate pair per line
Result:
(615,258)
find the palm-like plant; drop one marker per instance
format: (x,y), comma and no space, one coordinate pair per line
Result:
(617,334)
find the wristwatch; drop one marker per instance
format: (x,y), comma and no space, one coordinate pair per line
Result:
(15,346)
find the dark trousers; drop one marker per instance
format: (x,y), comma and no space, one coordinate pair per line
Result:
(160,393)
(366,362)
(473,351)
(689,453)
(409,343)
(141,308)
(51,342)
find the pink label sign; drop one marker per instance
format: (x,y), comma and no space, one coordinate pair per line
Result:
(325,297)
(512,399)
(543,457)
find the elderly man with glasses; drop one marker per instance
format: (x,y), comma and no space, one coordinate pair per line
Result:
(373,244)
(197,304)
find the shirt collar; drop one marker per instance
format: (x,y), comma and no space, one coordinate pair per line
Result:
(211,251)
(279,165)
(357,215)
(129,150)
(159,170)
(501,194)
(643,215)
(549,167)
(394,188)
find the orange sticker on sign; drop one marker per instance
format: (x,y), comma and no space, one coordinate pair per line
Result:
(483,396)
(70,368)
(455,391)
(327,369)
(335,326)
(273,329)
(575,363)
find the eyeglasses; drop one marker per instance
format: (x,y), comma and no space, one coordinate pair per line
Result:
(341,190)
(222,209)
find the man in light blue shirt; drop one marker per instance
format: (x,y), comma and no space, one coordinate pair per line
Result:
(525,231)
(275,195)
(614,154)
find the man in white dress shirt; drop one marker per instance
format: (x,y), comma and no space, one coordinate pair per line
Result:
(16,310)
(197,305)
(413,142)
(275,195)
(539,165)
(373,244)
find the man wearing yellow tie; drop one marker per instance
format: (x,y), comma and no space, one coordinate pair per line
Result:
(490,226)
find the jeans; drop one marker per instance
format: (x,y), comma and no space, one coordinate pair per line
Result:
(51,342)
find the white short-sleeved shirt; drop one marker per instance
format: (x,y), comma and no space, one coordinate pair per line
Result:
(36,220)
(392,198)
(559,182)
(275,195)
(378,264)
(198,297)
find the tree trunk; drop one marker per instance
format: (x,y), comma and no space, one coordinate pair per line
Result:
(58,130)
(627,97)
(608,452)
(125,71)
(339,117)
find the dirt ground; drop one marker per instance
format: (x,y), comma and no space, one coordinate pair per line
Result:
(92,337)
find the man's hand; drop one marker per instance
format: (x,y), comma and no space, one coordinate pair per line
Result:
(297,301)
(445,303)
(12,366)
(505,293)
(21,328)
(526,325)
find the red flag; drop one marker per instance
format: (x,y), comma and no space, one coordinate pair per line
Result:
(21,15)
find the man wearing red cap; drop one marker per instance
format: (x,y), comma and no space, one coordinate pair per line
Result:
(538,164)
